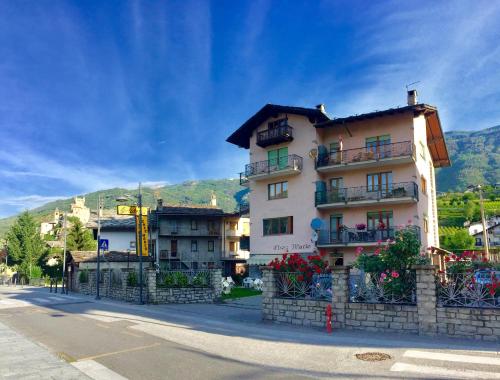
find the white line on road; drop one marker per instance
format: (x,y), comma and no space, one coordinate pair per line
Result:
(439,371)
(41,300)
(452,357)
(97,371)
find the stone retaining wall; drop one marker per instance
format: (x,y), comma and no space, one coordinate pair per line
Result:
(120,290)
(424,318)
(463,322)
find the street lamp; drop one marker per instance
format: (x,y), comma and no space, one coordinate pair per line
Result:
(479,189)
(126,198)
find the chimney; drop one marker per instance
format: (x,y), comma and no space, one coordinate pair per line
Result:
(412,97)
(159,203)
(213,200)
(321,107)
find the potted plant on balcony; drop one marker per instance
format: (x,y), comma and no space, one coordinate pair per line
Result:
(360,226)
(381,225)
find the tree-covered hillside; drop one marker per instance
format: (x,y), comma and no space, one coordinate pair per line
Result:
(475,159)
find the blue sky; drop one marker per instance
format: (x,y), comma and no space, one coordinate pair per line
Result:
(102,94)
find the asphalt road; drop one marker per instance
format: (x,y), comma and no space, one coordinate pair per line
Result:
(112,340)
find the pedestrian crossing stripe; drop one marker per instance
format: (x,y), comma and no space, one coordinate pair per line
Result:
(472,359)
(441,371)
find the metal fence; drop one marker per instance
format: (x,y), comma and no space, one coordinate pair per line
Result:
(183,278)
(480,289)
(298,286)
(389,288)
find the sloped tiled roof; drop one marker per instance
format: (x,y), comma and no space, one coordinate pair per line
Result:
(196,210)
(111,256)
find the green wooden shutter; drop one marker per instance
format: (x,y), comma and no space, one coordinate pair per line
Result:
(283,157)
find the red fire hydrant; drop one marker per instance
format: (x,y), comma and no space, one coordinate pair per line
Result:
(329,319)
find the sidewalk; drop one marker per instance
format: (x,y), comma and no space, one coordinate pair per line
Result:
(22,359)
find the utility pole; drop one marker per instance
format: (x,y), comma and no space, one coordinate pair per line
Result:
(64,255)
(483,221)
(98,275)
(139,201)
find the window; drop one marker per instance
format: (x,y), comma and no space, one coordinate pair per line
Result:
(212,227)
(233,226)
(277,190)
(232,246)
(194,224)
(173,248)
(423,185)
(379,181)
(336,227)
(379,220)
(422,150)
(194,245)
(277,123)
(211,246)
(380,145)
(278,226)
(426,224)
(278,157)
(334,147)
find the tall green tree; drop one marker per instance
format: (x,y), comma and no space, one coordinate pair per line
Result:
(457,241)
(24,244)
(79,238)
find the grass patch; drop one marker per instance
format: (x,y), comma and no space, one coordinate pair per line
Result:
(238,292)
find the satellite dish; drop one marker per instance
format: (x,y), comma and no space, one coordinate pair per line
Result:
(314,236)
(316,224)
(313,153)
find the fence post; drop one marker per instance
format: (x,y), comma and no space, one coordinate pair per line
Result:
(426,299)
(150,280)
(340,294)
(269,291)
(216,282)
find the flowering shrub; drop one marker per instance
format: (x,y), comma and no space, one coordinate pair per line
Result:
(390,263)
(296,263)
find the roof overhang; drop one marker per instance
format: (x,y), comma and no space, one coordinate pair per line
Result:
(241,136)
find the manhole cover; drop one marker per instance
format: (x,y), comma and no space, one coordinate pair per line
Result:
(373,356)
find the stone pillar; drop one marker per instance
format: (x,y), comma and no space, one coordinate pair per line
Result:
(340,295)
(91,283)
(426,299)
(150,284)
(104,285)
(216,282)
(269,291)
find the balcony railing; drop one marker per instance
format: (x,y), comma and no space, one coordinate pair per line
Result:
(273,136)
(347,235)
(364,193)
(356,155)
(291,162)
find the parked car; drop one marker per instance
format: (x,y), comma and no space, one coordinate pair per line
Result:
(484,276)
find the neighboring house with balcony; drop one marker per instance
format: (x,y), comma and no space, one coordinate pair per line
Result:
(363,176)
(236,244)
(493,232)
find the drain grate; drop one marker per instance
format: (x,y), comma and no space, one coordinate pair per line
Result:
(373,356)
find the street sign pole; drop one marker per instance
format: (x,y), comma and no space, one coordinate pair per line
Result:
(64,256)
(97,297)
(139,200)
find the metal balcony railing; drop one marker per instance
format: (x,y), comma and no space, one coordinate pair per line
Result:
(276,135)
(349,156)
(347,235)
(292,162)
(367,193)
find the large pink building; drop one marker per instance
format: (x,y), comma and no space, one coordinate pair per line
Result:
(363,176)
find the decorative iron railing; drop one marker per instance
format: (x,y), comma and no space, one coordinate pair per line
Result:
(386,287)
(366,193)
(183,278)
(347,235)
(292,161)
(349,156)
(275,136)
(297,285)
(480,289)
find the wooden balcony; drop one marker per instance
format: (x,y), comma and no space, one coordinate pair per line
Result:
(275,136)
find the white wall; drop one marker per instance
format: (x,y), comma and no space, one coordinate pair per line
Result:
(119,240)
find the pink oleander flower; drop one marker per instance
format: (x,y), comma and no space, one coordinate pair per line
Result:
(394,274)
(383,276)
(377,252)
(359,250)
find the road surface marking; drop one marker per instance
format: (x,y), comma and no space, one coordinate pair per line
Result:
(440,371)
(96,370)
(41,300)
(131,334)
(56,298)
(120,352)
(452,357)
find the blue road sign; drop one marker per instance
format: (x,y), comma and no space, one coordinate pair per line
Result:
(103,244)
(316,224)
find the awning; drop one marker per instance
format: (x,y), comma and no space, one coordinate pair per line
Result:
(261,259)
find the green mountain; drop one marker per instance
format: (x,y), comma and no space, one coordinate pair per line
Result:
(475,159)
(227,191)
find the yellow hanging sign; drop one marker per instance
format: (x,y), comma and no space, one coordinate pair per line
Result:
(131,210)
(145,236)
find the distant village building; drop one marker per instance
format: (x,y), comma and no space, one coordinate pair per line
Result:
(78,210)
